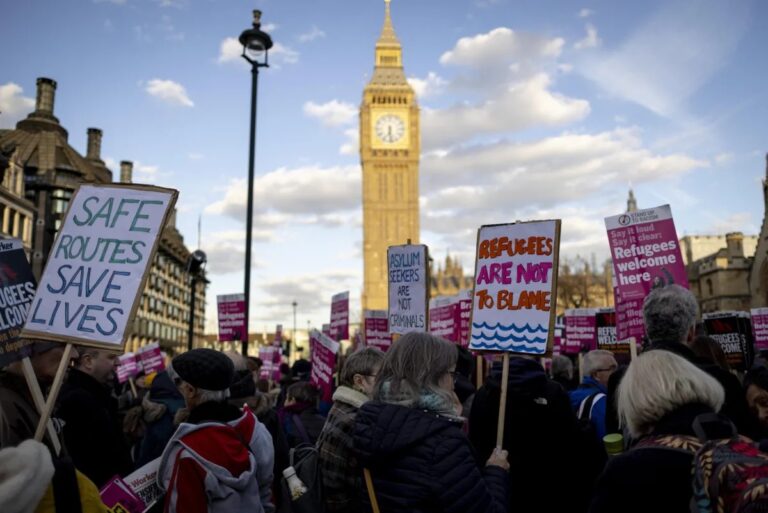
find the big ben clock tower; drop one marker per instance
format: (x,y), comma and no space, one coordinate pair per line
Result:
(389,153)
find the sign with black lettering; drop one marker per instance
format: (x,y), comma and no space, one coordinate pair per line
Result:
(98,265)
(733,331)
(408,272)
(17,289)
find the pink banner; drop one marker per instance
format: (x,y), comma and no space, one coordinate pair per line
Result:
(126,368)
(151,358)
(118,496)
(231,317)
(326,329)
(376,325)
(646,255)
(580,330)
(465,317)
(760,327)
(324,351)
(444,320)
(272,357)
(340,316)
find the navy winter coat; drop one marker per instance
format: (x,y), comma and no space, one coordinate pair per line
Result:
(422,462)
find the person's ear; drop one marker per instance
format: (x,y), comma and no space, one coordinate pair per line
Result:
(358,380)
(691,335)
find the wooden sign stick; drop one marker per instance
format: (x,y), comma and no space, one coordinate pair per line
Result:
(133,388)
(503,401)
(632,348)
(54,393)
(39,399)
(479,372)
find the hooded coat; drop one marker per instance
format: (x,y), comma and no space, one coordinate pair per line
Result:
(160,406)
(219,461)
(541,434)
(422,462)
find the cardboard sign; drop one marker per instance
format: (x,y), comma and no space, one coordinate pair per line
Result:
(558,340)
(450,316)
(126,368)
(118,497)
(408,276)
(98,265)
(324,351)
(231,309)
(733,331)
(515,287)
(17,290)
(760,328)
(151,358)
(326,328)
(646,255)
(580,328)
(465,317)
(143,482)
(376,327)
(605,322)
(340,316)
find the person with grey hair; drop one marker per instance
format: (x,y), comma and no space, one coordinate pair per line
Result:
(340,472)
(669,404)
(410,438)
(562,371)
(221,459)
(589,400)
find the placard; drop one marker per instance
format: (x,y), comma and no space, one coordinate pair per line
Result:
(278,342)
(733,331)
(444,318)
(126,368)
(376,327)
(324,351)
(118,497)
(143,482)
(760,328)
(646,255)
(151,358)
(408,277)
(340,316)
(17,290)
(558,340)
(231,309)
(515,292)
(605,322)
(98,265)
(580,328)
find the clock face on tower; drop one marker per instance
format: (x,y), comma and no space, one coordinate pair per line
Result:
(390,128)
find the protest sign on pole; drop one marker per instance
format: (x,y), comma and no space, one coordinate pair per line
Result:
(340,316)
(733,331)
(580,329)
(408,282)
(515,293)
(605,322)
(231,310)
(326,329)
(126,368)
(760,328)
(324,351)
(558,339)
(17,290)
(646,255)
(151,358)
(444,318)
(376,329)
(465,316)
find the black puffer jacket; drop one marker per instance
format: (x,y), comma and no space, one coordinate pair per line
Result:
(422,462)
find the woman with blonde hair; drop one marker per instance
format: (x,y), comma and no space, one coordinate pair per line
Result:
(663,400)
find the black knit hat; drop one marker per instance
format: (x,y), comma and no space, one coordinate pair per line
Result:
(205,368)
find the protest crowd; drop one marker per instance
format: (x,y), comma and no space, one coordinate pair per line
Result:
(404,431)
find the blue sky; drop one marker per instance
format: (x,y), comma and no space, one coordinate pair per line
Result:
(530,109)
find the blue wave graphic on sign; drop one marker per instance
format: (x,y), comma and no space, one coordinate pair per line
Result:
(521,348)
(483,336)
(513,327)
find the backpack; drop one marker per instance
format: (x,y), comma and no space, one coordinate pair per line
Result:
(729,475)
(305,459)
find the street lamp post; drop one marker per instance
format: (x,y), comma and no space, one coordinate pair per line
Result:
(294,304)
(256,45)
(195,266)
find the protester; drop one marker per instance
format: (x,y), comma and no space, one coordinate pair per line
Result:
(341,475)
(756,388)
(462,383)
(562,371)
(660,397)
(93,432)
(221,459)
(410,437)
(300,418)
(21,415)
(160,406)
(541,435)
(589,399)
(707,349)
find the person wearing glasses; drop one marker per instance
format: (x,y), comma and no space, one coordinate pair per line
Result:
(341,474)
(590,398)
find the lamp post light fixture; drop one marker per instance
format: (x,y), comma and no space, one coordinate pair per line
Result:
(256,45)
(195,268)
(295,343)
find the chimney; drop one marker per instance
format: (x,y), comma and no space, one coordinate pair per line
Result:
(126,171)
(46,93)
(735,244)
(94,144)
(172,219)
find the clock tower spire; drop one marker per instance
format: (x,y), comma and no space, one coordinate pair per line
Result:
(389,154)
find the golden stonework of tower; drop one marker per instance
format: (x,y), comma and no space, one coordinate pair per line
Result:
(389,154)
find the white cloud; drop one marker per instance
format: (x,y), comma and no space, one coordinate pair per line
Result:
(736,222)
(169,91)
(723,158)
(591,40)
(14,106)
(196,156)
(332,113)
(352,145)
(432,85)
(671,56)
(226,250)
(521,105)
(270,27)
(314,33)
(172,3)
(500,45)
(281,54)
(586,13)
(230,49)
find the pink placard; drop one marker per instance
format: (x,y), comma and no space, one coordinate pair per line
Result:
(558,341)
(376,325)
(646,255)
(126,368)
(151,358)
(444,320)
(760,327)
(340,316)
(324,351)
(118,496)
(231,309)
(272,357)
(580,330)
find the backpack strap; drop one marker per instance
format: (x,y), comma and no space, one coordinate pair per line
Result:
(371,492)
(588,404)
(300,428)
